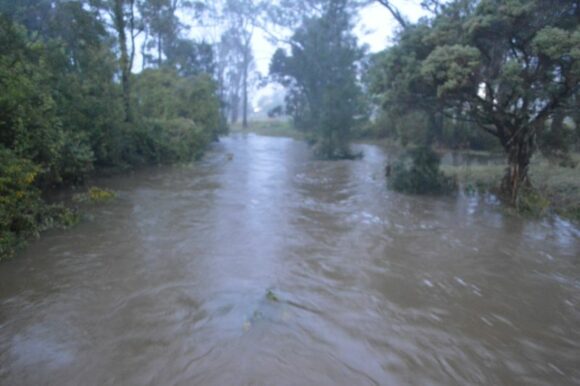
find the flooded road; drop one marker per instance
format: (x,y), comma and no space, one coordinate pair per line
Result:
(275,269)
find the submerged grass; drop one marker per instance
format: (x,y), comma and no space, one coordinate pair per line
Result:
(269,128)
(555,188)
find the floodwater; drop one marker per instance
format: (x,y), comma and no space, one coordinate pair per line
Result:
(271,268)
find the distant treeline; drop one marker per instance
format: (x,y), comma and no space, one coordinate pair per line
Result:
(70,105)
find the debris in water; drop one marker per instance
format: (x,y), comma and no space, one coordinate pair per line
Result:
(270,295)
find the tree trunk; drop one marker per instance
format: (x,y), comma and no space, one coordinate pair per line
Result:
(234,107)
(159,51)
(124,61)
(245,90)
(519,150)
(144,51)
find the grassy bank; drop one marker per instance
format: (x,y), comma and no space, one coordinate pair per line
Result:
(555,188)
(270,128)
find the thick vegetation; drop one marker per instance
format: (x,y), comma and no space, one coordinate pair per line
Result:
(508,68)
(325,97)
(68,107)
(418,173)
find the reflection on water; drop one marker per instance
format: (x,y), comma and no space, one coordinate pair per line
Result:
(168,285)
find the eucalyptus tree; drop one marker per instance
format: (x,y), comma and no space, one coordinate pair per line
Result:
(163,28)
(241,18)
(325,97)
(124,19)
(231,63)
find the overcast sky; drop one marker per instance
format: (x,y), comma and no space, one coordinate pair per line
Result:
(375,28)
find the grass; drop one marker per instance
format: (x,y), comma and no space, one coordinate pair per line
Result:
(556,188)
(270,128)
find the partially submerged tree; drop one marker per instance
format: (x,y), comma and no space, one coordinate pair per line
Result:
(505,66)
(321,73)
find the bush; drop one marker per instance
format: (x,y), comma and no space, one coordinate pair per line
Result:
(418,172)
(20,201)
(532,202)
(166,141)
(23,213)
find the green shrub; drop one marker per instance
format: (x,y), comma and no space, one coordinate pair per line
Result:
(167,141)
(20,201)
(531,202)
(23,213)
(418,172)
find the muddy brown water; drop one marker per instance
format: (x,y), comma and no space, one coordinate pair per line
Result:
(275,269)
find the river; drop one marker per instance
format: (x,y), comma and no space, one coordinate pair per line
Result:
(262,266)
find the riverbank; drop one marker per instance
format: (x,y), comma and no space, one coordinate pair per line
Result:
(556,189)
(28,209)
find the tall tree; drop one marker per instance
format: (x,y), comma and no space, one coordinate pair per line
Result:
(241,17)
(124,21)
(321,72)
(162,28)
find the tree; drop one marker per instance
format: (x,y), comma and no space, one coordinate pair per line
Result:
(321,72)
(233,61)
(241,17)
(163,28)
(507,66)
(69,105)
(189,57)
(29,125)
(123,17)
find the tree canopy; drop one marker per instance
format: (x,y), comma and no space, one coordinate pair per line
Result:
(71,105)
(325,96)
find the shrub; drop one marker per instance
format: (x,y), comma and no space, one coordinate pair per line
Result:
(418,172)
(23,213)
(532,202)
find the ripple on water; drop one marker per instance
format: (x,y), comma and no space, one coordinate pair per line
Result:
(168,285)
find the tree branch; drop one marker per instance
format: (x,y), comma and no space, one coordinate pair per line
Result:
(395,12)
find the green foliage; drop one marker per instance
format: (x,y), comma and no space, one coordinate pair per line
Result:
(504,66)
(20,201)
(166,141)
(418,173)
(23,213)
(63,109)
(95,195)
(28,120)
(451,68)
(179,116)
(325,98)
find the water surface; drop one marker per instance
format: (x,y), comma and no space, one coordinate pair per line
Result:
(168,285)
